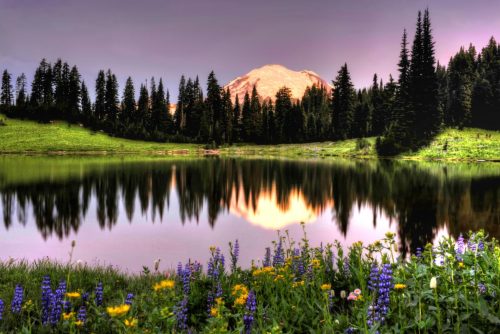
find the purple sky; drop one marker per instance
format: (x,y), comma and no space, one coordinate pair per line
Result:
(166,38)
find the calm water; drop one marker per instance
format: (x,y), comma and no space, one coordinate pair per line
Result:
(129,213)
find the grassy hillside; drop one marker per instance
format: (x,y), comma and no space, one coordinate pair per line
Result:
(31,137)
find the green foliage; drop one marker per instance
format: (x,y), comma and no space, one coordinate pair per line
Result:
(449,286)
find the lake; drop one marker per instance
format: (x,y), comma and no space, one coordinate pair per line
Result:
(128,212)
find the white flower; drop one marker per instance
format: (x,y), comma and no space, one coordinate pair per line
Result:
(342,294)
(433,283)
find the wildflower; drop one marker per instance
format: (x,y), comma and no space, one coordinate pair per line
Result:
(129,298)
(82,314)
(380,281)
(267,258)
(73,294)
(418,252)
(235,254)
(2,307)
(85,297)
(279,255)
(56,302)
(130,322)
(389,235)
(342,294)
(460,246)
(297,284)
(352,296)
(461,265)
(165,284)
(399,286)
(181,314)
(433,283)
(78,323)
(98,294)
(482,288)
(350,330)
(17,300)
(326,287)
(214,312)
(315,263)
(186,278)
(279,277)
(46,296)
(357,292)
(67,316)
(250,308)
(116,311)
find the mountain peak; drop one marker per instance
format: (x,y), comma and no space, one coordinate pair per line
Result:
(270,78)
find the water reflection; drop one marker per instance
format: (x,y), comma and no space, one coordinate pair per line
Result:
(420,199)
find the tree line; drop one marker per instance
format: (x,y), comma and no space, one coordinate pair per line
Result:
(404,113)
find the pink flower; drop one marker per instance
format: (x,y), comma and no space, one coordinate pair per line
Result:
(352,296)
(357,292)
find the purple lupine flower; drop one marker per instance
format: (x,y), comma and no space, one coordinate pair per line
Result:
(85,297)
(82,314)
(330,300)
(2,307)
(234,255)
(460,244)
(279,255)
(267,257)
(66,304)
(17,300)
(250,308)
(298,263)
(482,288)
(56,303)
(46,296)
(98,294)
(381,283)
(418,252)
(350,330)
(472,246)
(346,266)
(129,298)
(480,246)
(186,278)
(181,314)
(179,269)
(222,261)
(218,290)
(210,303)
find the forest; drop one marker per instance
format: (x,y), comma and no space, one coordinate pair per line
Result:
(403,113)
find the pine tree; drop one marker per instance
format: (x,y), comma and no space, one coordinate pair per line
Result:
(236,121)
(86,104)
(214,108)
(21,94)
(179,109)
(6,97)
(461,77)
(142,113)
(378,114)
(246,119)
(128,103)
(111,100)
(283,106)
(100,96)
(74,95)
(228,116)
(255,127)
(343,102)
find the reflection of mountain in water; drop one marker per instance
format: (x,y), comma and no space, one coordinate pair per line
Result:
(421,199)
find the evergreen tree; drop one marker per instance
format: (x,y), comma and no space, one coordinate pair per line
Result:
(255,124)
(228,116)
(282,107)
(246,119)
(214,108)
(111,100)
(378,115)
(361,115)
(86,104)
(236,121)
(6,97)
(142,112)
(343,102)
(179,109)
(21,94)
(100,96)
(128,103)
(74,94)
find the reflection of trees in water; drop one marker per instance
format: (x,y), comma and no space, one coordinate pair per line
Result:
(421,200)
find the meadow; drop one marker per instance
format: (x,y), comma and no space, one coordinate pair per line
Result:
(449,287)
(28,137)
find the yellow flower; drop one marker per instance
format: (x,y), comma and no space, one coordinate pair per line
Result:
(399,286)
(219,301)
(73,294)
(67,316)
(79,323)
(116,311)
(461,265)
(315,263)
(390,235)
(278,277)
(241,300)
(165,284)
(130,322)
(299,283)
(239,289)
(325,287)
(214,312)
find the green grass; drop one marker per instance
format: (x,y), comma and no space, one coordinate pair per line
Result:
(60,138)
(452,287)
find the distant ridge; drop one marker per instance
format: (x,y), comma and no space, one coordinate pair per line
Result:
(270,78)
